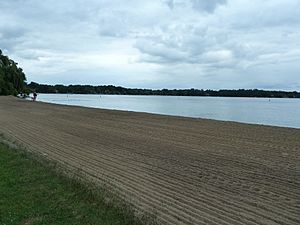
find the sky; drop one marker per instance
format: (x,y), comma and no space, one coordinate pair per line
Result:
(204,44)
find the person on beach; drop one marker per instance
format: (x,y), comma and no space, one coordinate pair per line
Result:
(34,96)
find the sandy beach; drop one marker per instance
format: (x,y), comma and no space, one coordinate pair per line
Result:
(183,170)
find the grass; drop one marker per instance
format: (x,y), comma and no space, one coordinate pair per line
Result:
(34,192)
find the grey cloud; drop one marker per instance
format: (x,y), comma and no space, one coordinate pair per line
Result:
(270,14)
(208,6)
(170,3)
(159,53)
(170,42)
(11,36)
(113,24)
(213,45)
(12,32)
(199,5)
(196,46)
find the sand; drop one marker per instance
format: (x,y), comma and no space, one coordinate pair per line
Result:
(183,170)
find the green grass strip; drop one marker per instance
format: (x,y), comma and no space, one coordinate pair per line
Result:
(32,193)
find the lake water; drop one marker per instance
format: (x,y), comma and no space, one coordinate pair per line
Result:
(277,112)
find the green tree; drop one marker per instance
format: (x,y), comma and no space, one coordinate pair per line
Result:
(12,77)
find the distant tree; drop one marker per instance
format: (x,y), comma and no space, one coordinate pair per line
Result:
(110,89)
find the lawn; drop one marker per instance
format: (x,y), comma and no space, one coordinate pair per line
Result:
(32,192)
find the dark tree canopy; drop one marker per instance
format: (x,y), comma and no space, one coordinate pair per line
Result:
(110,89)
(12,77)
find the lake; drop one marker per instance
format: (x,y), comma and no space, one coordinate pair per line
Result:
(277,112)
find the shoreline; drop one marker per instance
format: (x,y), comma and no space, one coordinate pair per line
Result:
(184,170)
(174,96)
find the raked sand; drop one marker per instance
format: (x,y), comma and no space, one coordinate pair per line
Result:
(183,170)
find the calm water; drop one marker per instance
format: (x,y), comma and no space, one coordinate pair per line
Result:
(277,112)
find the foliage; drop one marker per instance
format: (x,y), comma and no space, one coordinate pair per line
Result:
(12,77)
(88,89)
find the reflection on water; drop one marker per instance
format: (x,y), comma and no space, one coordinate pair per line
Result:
(278,112)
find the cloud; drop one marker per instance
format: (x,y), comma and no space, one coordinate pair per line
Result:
(159,43)
(156,52)
(170,3)
(11,36)
(198,5)
(208,6)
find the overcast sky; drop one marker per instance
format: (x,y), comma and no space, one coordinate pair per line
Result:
(205,44)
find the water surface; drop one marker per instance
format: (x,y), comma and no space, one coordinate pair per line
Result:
(277,112)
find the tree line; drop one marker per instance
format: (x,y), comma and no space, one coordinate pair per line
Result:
(117,90)
(12,77)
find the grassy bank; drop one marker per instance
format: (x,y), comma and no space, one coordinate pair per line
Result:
(32,192)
